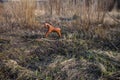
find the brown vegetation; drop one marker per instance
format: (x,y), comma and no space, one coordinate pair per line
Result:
(89,48)
(20,13)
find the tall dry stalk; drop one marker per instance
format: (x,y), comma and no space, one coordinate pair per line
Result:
(1,13)
(20,12)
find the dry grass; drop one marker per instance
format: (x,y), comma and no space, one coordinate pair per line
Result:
(21,13)
(1,12)
(88,49)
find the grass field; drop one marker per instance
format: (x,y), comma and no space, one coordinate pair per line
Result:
(86,50)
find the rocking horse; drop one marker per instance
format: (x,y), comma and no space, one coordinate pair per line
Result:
(52,29)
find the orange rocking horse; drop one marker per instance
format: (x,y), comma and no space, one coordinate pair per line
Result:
(52,29)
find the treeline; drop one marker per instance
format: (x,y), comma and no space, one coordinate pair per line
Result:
(70,7)
(87,10)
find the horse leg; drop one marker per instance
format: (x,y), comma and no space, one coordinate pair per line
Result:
(46,35)
(59,33)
